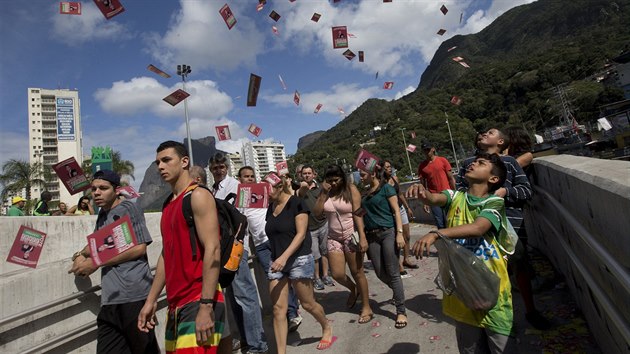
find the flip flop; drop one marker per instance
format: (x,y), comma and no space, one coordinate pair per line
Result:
(366,318)
(326,344)
(400,324)
(410,265)
(404,272)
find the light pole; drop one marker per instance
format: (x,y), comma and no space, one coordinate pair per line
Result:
(183,70)
(402,130)
(452,143)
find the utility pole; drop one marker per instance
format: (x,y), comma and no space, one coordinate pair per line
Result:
(402,130)
(183,70)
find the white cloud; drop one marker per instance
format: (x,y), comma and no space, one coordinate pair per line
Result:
(404,92)
(480,19)
(90,25)
(345,96)
(145,94)
(199,37)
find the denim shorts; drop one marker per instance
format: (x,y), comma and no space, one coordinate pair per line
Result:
(303,267)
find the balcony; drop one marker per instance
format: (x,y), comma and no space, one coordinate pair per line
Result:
(49,127)
(48,100)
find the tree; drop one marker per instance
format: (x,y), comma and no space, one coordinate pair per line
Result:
(19,174)
(120,166)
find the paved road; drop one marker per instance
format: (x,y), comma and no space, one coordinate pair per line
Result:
(429,331)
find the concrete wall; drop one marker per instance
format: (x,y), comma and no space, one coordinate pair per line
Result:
(23,288)
(580,218)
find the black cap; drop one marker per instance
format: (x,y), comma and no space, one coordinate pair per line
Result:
(427,146)
(109,176)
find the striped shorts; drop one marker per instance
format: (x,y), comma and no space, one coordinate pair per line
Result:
(180,328)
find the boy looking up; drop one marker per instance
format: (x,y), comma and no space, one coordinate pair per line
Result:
(475,218)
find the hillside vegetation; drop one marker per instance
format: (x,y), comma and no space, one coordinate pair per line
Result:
(515,64)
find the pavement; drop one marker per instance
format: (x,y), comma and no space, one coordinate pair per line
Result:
(429,331)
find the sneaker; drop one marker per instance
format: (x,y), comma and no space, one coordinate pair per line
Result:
(236,345)
(537,320)
(318,284)
(328,281)
(294,323)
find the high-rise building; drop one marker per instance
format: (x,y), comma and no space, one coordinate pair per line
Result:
(54,134)
(236,162)
(262,156)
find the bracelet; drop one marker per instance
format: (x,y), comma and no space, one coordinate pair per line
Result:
(207,301)
(437,233)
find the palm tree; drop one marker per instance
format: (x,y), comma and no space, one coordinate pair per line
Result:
(19,174)
(120,166)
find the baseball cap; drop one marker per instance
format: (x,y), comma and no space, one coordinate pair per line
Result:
(109,176)
(427,146)
(16,200)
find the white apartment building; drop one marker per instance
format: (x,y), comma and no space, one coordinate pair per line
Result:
(262,156)
(236,162)
(54,134)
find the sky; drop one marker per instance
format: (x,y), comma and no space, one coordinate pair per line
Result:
(121,101)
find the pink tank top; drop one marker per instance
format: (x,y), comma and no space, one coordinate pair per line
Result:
(339,226)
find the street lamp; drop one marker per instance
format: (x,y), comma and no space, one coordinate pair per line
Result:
(402,130)
(183,70)
(452,143)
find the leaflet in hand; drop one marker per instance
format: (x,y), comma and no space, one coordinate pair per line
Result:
(111,240)
(253,195)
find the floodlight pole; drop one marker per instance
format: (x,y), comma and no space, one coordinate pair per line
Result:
(402,130)
(183,70)
(452,143)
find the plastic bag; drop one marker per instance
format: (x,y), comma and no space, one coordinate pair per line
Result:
(462,274)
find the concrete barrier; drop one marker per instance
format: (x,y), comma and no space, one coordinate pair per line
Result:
(579,218)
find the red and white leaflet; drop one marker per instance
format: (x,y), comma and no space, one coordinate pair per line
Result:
(252,91)
(444,9)
(451,48)
(458,59)
(340,37)
(223,132)
(315,17)
(349,54)
(254,129)
(361,56)
(228,16)
(441,31)
(317,108)
(456,100)
(388,85)
(413,135)
(463,63)
(27,247)
(296,98)
(272,179)
(282,168)
(111,240)
(128,192)
(154,69)
(71,175)
(411,148)
(70,8)
(176,97)
(341,110)
(284,86)
(259,7)
(274,15)
(253,195)
(109,8)
(274,29)
(366,161)
(350,35)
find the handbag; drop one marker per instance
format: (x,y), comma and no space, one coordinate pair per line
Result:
(355,238)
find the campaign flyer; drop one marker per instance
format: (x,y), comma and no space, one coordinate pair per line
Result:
(27,247)
(71,175)
(70,8)
(254,129)
(253,195)
(361,56)
(388,85)
(340,37)
(223,132)
(228,16)
(317,108)
(272,179)
(282,168)
(156,70)
(176,97)
(366,161)
(254,87)
(411,148)
(128,192)
(109,8)
(296,98)
(111,240)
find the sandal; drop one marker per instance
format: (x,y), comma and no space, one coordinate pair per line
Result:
(326,344)
(365,318)
(401,323)
(349,304)
(410,265)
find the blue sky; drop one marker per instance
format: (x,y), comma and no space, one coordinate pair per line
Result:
(121,101)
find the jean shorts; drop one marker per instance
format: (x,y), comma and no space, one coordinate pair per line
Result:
(303,267)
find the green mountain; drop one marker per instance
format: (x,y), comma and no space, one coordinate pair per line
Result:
(515,65)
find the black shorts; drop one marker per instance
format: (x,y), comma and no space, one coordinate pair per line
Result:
(118,330)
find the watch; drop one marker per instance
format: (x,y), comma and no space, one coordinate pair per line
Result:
(400,231)
(76,255)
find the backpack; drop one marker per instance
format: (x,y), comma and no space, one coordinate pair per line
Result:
(232,229)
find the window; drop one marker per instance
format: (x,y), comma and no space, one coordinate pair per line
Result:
(33,113)
(32,99)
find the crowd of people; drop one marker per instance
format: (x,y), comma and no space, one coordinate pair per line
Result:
(313,230)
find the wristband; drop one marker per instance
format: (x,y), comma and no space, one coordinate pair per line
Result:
(207,301)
